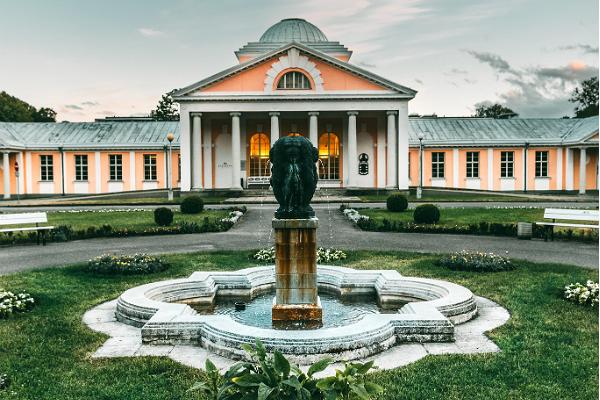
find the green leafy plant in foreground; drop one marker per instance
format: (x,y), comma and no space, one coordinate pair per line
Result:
(272,376)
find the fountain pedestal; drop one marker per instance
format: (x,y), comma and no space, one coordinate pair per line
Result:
(296,293)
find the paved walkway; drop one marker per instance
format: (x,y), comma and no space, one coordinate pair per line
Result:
(254,231)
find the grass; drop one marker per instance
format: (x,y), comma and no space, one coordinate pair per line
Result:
(432,195)
(465,216)
(549,346)
(131,220)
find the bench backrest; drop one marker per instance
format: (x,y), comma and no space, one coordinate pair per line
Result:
(571,214)
(24,218)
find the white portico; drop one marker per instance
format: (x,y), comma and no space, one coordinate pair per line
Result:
(294,82)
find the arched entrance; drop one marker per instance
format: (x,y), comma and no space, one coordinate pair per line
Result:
(329,156)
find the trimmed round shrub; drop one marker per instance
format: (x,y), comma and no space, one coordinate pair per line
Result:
(396,203)
(192,205)
(426,214)
(163,216)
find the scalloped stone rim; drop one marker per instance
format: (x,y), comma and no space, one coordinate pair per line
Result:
(434,308)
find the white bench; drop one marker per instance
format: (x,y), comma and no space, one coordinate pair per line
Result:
(566,214)
(36,218)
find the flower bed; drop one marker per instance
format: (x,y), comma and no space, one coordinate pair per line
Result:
(11,303)
(267,255)
(62,233)
(582,294)
(476,261)
(126,264)
(482,228)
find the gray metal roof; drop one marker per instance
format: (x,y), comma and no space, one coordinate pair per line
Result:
(182,93)
(293,30)
(490,131)
(142,134)
(436,131)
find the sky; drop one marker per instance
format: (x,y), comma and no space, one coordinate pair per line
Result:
(91,59)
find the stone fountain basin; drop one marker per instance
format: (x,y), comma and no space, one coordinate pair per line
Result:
(433,308)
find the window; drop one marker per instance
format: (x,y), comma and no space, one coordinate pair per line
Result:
(81,167)
(507,160)
(46,168)
(293,80)
(329,156)
(541,164)
(437,164)
(259,155)
(150,167)
(115,165)
(472,164)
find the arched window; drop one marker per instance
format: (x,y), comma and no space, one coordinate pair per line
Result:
(259,154)
(293,80)
(329,156)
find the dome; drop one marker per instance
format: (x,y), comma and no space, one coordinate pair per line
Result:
(293,30)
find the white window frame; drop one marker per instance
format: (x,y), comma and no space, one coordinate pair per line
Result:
(150,170)
(541,163)
(438,160)
(115,167)
(472,164)
(47,167)
(507,164)
(299,81)
(81,168)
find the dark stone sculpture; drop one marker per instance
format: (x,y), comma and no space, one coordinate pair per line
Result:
(294,176)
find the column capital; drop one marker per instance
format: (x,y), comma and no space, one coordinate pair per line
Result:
(274,114)
(195,114)
(391,112)
(235,114)
(313,113)
(351,113)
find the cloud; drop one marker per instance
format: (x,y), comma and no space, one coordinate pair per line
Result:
(456,71)
(73,107)
(90,103)
(585,48)
(573,72)
(149,32)
(470,81)
(366,64)
(493,60)
(420,82)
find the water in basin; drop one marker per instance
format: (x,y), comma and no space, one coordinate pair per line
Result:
(336,311)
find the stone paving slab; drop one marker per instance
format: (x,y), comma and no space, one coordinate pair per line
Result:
(125,341)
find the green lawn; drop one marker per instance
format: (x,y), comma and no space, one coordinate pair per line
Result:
(432,195)
(124,200)
(549,346)
(465,216)
(131,220)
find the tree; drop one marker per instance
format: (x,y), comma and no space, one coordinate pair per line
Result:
(587,97)
(13,109)
(485,110)
(166,110)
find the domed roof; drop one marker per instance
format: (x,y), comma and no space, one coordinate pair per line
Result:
(293,30)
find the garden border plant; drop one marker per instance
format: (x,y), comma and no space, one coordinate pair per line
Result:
(366,223)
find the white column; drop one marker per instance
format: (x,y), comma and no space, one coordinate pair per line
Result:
(352,149)
(490,168)
(402,142)
(455,166)
(184,150)
(98,174)
(29,172)
(235,150)
(569,170)
(196,151)
(559,168)
(207,157)
(274,127)
(314,128)
(582,163)
(21,178)
(6,175)
(391,150)
(132,181)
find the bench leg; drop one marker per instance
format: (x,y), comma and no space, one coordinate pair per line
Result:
(43,238)
(552,232)
(38,237)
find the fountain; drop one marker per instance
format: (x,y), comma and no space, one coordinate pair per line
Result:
(294,180)
(360,313)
